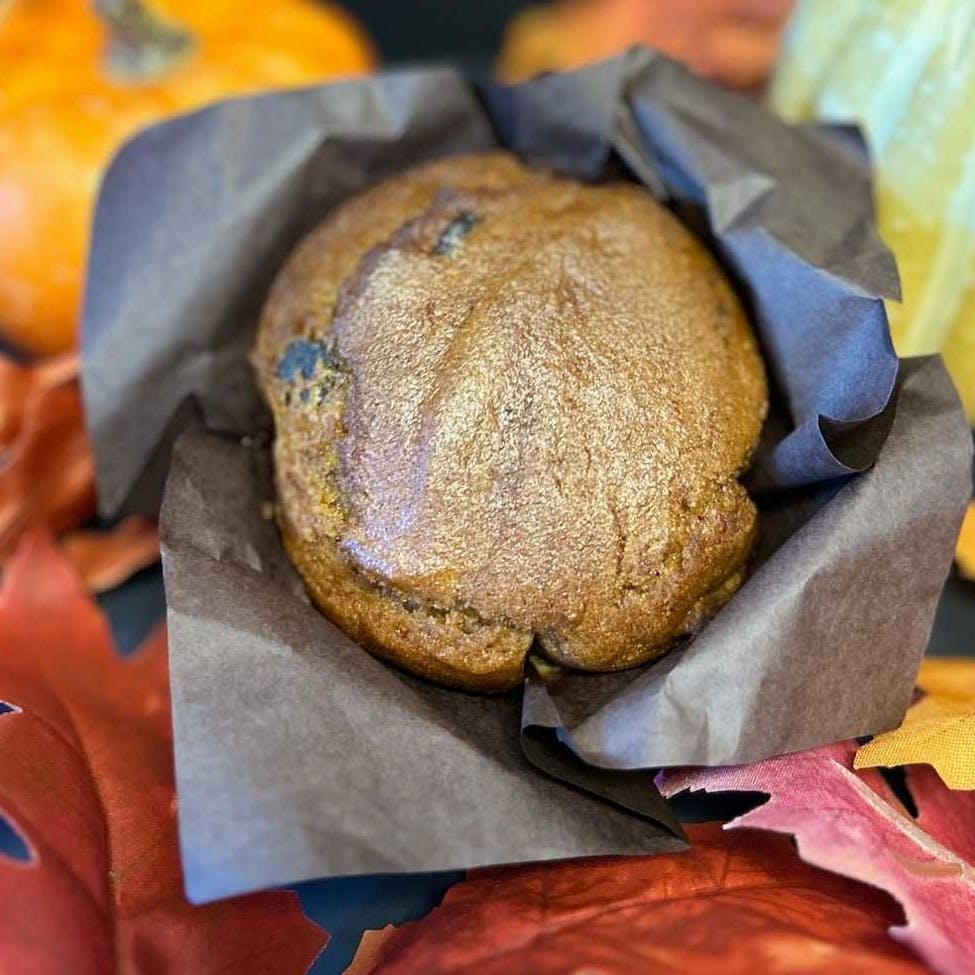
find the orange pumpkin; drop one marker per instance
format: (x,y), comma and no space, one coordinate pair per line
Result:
(80,76)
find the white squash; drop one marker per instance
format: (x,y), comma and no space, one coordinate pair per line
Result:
(905,71)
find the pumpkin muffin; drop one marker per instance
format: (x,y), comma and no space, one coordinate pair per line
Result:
(510,407)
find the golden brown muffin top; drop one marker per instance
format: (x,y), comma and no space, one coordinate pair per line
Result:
(547,389)
(541,382)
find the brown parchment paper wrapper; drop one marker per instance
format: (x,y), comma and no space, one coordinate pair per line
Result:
(297,754)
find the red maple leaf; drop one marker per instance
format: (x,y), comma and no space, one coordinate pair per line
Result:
(851,823)
(86,781)
(735,903)
(946,814)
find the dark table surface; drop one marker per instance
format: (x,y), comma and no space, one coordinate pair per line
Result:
(430,30)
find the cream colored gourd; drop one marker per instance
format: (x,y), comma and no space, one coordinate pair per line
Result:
(905,71)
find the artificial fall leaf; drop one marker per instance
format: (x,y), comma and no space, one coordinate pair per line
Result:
(47,472)
(965,549)
(852,824)
(938,729)
(943,813)
(369,952)
(106,559)
(738,903)
(47,475)
(86,781)
(20,385)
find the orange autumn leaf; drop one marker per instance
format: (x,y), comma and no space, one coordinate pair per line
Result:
(734,903)
(938,729)
(369,952)
(47,473)
(731,41)
(20,385)
(965,549)
(86,780)
(106,559)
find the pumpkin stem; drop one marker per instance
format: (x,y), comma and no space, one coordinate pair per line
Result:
(143,45)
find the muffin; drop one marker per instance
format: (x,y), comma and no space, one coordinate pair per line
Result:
(510,407)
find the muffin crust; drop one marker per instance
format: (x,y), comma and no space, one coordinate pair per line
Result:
(510,406)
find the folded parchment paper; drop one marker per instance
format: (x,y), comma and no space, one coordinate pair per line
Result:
(297,754)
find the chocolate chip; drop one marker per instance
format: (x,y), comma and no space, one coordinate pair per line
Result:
(301,357)
(455,231)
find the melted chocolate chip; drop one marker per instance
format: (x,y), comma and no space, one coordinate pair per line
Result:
(301,357)
(312,366)
(455,231)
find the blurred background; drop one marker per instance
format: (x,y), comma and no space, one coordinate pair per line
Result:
(735,39)
(436,30)
(80,76)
